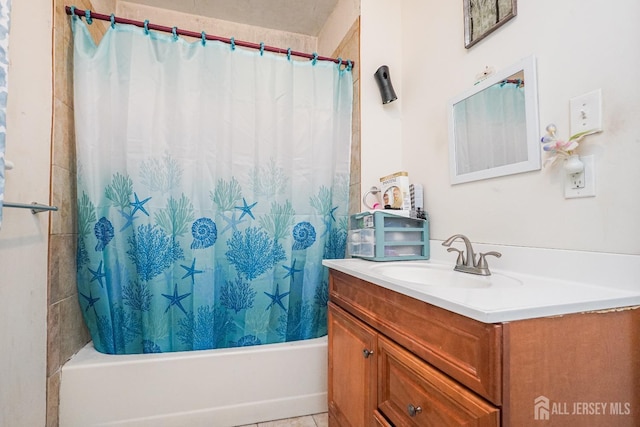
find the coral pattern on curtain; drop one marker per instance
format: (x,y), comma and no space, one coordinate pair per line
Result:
(212,181)
(5,9)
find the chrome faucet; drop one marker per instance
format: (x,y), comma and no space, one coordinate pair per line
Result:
(467,262)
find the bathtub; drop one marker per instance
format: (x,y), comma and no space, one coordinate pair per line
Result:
(224,387)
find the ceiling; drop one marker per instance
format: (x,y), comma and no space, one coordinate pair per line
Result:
(296,16)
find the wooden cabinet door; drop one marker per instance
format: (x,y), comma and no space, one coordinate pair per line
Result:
(413,393)
(352,370)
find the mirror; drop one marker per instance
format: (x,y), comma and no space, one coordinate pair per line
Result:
(493,127)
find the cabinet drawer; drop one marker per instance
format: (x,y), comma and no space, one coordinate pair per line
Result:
(412,393)
(465,349)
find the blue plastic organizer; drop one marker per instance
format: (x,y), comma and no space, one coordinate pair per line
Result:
(383,236)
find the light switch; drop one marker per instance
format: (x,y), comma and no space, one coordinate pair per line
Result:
(586,112)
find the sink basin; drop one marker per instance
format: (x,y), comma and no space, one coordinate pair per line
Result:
(440,275)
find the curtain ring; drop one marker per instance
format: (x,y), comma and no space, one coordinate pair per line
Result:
(204,38)
(72,9)
(146,26)
(233,43)
(289,54)
(348,65)
(315,58)
(174,31)
(113,20)
(261,48)
(339,63)
(87,15)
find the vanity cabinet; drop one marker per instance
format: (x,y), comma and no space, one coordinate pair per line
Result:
(398,361)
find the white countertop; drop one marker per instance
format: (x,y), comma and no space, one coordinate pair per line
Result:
(542,295)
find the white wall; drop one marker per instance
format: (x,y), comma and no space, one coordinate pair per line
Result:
(580,46)
(381,126)
(24,237)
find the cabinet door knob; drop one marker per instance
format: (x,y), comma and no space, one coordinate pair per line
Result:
(366,353)
(413,410)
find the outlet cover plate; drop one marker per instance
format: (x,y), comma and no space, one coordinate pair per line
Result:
(584,185)
(586,112)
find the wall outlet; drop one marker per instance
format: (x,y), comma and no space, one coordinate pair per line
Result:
(586,112)
(582,184)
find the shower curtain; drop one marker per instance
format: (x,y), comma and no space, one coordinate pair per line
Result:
(212,181)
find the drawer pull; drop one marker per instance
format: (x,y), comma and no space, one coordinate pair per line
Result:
(413,410)
(366,353)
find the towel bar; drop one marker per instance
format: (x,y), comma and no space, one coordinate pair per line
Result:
(35,207)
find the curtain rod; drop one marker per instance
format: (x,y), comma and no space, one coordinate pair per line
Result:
(177,31)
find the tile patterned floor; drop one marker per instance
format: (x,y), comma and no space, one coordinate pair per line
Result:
(316,420)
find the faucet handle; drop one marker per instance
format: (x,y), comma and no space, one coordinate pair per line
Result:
(482,262)
(460,260)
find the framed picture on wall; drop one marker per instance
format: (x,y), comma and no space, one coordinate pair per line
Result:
(482,17)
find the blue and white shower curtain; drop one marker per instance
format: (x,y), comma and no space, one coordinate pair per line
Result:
(5,9)
(212,181)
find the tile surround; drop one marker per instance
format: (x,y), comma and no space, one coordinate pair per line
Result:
(62,276)
(66,331)
(350,48)
(53,390)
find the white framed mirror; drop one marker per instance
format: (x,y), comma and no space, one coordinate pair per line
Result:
(493,127)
